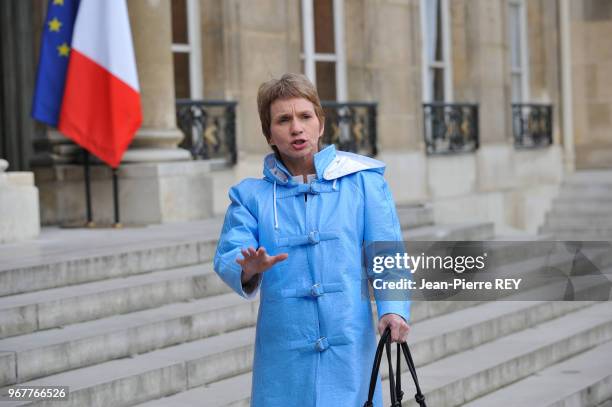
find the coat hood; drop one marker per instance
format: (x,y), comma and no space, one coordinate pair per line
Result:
(329,165)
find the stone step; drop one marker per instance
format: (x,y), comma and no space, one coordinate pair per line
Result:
(582,186)
(136,253)
(581,235)
(50,351)
(56,350)
(582,192)
(120,262)
(566,232)
(463,377)
(580,207)
(208,360)
(584,220)
(584,380)
(79,345)
(232,392)
(25,313)
(590,177)
(540,286)
(413,216)
(452,231)
(470,371)
(127,381)
(47,352)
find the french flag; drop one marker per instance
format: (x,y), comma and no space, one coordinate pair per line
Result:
(101,109)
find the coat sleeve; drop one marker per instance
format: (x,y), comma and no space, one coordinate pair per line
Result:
(381,224)
(239,231)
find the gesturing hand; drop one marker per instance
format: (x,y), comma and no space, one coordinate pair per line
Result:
(257,261)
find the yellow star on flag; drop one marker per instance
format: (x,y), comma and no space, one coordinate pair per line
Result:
(58,2)
(63,50)
(55,24)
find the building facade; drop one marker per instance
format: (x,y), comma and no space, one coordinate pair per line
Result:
(481,106)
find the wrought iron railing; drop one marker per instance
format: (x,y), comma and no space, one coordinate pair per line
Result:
(209,127)
(351,126)
(450,128)
(532,125)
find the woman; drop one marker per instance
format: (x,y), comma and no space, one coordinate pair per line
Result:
(296,235)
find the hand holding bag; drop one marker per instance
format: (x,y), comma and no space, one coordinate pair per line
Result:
(394,383)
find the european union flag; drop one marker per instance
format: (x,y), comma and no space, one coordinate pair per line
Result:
(53,60)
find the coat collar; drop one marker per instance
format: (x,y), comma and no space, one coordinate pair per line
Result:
(329,165)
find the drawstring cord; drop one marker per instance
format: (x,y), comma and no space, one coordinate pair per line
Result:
(334,184)
(275,214)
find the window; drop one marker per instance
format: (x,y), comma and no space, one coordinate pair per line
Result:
(437,68)
(186,49)
(517,32)
(324,61)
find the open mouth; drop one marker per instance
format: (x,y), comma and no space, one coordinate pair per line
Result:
(298,142)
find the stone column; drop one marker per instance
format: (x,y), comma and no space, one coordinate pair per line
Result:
(158,136)
(387,69)
(488,75)
(158,182)
(489,69)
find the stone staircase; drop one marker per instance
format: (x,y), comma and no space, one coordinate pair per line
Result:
(583,209)
(138,317)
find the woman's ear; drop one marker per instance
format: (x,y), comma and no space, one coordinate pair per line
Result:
(322,128)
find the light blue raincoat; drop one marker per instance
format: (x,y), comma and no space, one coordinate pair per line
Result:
(315,338)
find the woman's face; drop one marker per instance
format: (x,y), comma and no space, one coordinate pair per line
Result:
(295,128)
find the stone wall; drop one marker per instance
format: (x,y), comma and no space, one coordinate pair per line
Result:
(384,64)
(592,84)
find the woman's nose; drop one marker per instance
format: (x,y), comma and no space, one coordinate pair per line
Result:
(296,126)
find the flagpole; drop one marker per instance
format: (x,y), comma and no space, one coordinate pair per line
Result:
(116,199)
(90,222)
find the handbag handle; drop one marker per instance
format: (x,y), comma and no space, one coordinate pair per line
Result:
(419,397)
(394,382)
(382,343)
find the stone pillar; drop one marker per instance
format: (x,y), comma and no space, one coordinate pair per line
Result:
(16,81)
(158,182)
(384,65)
(19,215)
(488,75)
(489,67)
(158,136)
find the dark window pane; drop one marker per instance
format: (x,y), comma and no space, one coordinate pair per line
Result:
(181,75)
(324,26)
(301,27)
(439,33)
(438,85)
(326,80)
(179,22)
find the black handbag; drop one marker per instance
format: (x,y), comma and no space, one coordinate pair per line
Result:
(395,383)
